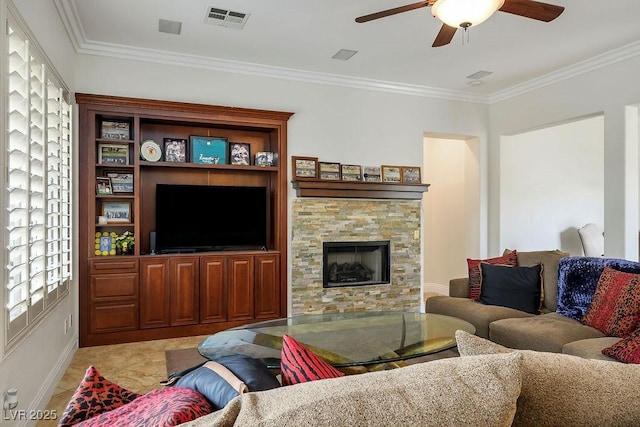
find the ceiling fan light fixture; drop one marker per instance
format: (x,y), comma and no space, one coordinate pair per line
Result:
(465,13)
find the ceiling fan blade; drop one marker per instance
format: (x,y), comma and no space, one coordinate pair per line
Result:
(445,35)
(395,10)
(532,9)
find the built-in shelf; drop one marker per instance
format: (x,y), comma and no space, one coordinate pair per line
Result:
(359,190)
(208,166)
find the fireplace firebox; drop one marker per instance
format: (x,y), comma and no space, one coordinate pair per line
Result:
(355,263)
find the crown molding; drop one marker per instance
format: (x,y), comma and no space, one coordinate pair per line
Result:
(69,16)
(238,67)
(82,45)
(599,61)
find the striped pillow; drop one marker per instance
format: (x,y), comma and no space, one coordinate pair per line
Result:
(510,259)
(300,365)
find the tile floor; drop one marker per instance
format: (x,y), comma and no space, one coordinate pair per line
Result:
(137,367)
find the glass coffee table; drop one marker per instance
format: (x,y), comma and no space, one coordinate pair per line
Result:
(369,339)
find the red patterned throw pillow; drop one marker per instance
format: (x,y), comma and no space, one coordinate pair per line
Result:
(170,406)
(615,307)
(626,350)
(299,364)
(94,395)
(475,277)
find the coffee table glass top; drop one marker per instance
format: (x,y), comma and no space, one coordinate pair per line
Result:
(348,339)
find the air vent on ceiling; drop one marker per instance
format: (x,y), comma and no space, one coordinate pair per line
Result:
(226,18)
(479,75)
(344,54)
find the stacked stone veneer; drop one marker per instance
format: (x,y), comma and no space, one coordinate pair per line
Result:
(318,220)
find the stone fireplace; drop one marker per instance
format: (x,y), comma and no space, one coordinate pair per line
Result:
(315,221)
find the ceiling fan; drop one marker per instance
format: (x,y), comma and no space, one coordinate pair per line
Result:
(465,13)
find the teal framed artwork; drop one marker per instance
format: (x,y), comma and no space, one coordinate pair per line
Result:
(208,150)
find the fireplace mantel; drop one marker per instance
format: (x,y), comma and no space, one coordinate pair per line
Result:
(359,190)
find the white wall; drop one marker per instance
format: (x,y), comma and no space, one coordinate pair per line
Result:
(551,184)
(333,123)
(36,365)
(609,90)
(451,206)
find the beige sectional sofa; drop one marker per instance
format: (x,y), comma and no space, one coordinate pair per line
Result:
(549,331)
(489,385)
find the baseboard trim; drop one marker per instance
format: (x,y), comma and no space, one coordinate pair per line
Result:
(49,385)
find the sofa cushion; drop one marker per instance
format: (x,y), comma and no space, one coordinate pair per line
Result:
(564,390)
(169,406)
(478,314)
(549,260)
(478,391)
(615,307)
(590,348)
(513,287)
(473,266)
(299,364)
(94,395)
(546,332)
(626,350)
(578,278)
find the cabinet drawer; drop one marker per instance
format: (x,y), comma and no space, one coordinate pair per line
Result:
(113,317)
(114,286)
(120,265)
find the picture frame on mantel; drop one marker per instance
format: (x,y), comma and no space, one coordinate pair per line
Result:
(329,171)
(351,172)
(411,175)
(304,167)
(371,174)
(392,174)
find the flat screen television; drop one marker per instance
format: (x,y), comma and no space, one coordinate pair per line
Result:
(200,218)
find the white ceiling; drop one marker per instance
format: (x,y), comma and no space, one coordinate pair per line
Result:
(296,39)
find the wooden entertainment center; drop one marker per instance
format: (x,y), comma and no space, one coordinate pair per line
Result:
(141,296)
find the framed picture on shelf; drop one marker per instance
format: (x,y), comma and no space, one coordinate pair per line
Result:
(351,172)
(116,212)
(266,158)
(371,174)
(121,182)
(103,185)
(113,154)
(208,150)
(105,244)
(175,150)
(329,171)
(305,167)
(391,174)
(239,153)
(115,130)
(411,175)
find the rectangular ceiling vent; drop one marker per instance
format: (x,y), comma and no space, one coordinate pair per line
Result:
(226,18)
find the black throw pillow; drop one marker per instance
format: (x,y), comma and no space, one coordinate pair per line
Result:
(252,372)
(513,287)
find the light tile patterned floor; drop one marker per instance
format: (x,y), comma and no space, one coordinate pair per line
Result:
(137,367)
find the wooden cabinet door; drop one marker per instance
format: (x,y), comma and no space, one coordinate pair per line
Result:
(114,316)
(267,286)
(184,290)
(240,287)
(155,293)
(213,300)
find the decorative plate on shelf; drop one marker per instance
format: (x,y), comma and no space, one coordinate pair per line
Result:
(150,151)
